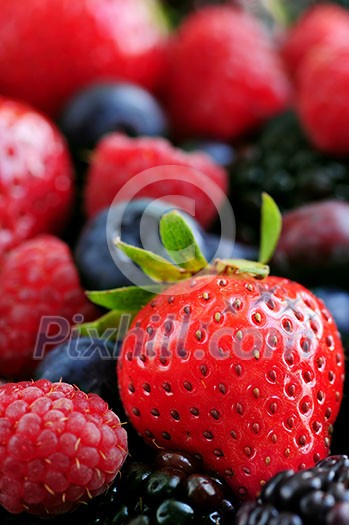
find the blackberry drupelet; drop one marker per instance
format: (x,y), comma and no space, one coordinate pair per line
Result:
(316,496)
(282,163)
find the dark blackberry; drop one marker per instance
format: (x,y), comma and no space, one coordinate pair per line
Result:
(316,496)
(169,488)
(282,163)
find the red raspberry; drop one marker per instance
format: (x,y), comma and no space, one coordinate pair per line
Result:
(323,98)
(38,278)
(51,49)
(224,75)
(36,181)
(118,158)
(323,24)
(59,447)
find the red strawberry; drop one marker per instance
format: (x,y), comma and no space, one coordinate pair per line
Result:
(38,281)
(244,369)
(246,373)
(323,24)
(35,175)
(324,111)
(59,447)
(224,75)
(49,50)
(118,158)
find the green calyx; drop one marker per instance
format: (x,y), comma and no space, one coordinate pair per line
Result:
(187,261)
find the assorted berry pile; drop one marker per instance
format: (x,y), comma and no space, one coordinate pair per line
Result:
(174,251)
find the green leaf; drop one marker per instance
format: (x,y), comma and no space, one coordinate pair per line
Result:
(107,325)
(128,299)
(271,223)
(156,267)
(180,243)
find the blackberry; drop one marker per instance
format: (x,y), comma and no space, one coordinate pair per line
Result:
(170,488)
(316,496)
(282,163)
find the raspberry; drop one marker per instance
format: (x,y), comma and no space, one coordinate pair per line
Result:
(118,158)
(37,279)
(59,447)
(323,25)
(324,112)
(36,182)
(52,49)
(224,76)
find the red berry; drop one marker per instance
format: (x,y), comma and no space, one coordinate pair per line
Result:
(322,25)
(59,447)
(247,373)
(224,76)
(323,110)
(35,175)
(37,279)
(50,50)
(118,158)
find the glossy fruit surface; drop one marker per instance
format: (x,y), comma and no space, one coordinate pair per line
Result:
(246,373)
(69,45)
(36,175)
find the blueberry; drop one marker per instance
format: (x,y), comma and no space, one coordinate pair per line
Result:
(337,301)
(221,152)
(98,269)
(106,107)
(88,363)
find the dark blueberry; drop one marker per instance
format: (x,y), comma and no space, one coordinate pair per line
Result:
(164,483)
(173,512)
(137,223)
(103,108)
(337,301)
(88,363)
(177,460)
(221,152)
(203,491)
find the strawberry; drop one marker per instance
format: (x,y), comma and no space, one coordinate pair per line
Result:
(38,281)
(60,447)
(224,76)
(118,158)
(321,25)
(324,112)
(50,50)
(242,368)
(36,182)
